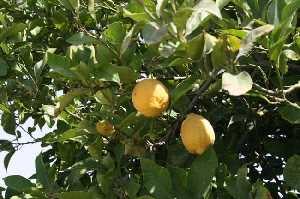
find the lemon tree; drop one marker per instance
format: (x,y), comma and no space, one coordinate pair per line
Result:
(152,99)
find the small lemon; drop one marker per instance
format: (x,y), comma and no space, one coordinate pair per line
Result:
(196,133)
(105,128)
(150,97)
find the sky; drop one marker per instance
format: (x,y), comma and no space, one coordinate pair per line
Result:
(23,161)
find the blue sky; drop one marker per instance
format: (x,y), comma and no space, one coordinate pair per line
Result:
(23,161)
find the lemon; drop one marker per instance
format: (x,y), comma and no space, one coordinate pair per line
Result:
(150,97)
(196,133)
(105,128)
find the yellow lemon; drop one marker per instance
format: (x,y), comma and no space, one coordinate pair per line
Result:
(150,97)
(196,133)
(105,128)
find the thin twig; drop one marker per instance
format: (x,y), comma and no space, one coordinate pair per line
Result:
(27,132)
(74,115)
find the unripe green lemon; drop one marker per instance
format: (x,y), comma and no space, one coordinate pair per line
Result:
(105,128)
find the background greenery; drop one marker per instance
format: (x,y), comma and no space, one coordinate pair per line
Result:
(236,62)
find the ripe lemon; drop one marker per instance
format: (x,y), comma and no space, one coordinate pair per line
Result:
(150,97)
(196,133)
(105,128)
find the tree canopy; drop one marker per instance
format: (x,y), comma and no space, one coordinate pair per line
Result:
(71,63)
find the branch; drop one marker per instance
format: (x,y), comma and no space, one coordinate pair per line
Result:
(203,88)
(24,143)
(267,91)
(292,88)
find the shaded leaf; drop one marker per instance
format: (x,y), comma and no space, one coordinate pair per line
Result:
(290,9)
(3,67)
(290,112)
(8,123)
(81,38)
(152,172)
(291,172)
(76,195)
(18,183)
(41,173)
(202,172)
(8,158)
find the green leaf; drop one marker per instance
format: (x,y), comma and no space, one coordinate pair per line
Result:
(182,88)
(132,188)
(290,9)
(3,67)
(126,74)
(260,192)
(291,172)
(290,112)
(70,134)
(75,4)
(60,64)
(104,97)
(157,179)
(81,38)
(12,30)
(91,8)
(202,172)
(153,33)
(181,16)
(202,10)
(103,54)
(252,36)
(179,181)
(238,84)
(195,47)
(127,40)
(8,123)
(41,173)
(243,186)
(219,57)
(145,197)
(8,158)
(6,145)
(115,33)
(234,32)
(76,195)
(138,17)
(160,5)
(18,183)
(107,73)
(65,100)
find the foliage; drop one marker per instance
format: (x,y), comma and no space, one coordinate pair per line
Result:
(72,63)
